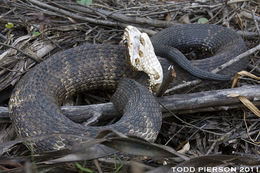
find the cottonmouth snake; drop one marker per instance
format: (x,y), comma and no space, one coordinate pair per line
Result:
(34,104)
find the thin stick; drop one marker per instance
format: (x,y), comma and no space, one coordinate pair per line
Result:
(87,19)
(237,58)
(182,103)
(12,47)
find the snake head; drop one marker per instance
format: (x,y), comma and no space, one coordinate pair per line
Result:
(141,56)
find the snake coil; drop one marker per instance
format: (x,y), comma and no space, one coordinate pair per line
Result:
(35,102)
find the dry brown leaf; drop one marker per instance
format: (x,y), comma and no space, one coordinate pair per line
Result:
(247,103)
(185,148)
(168,17)
(243,73)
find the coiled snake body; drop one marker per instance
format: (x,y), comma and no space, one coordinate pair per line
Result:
(222,43)
(34,104)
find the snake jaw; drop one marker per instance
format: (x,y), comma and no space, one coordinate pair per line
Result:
(142,57)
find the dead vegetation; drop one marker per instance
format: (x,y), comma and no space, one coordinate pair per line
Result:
(33,30)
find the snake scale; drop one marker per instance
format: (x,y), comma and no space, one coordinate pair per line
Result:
(35,102)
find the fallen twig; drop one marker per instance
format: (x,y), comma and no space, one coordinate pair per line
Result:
(30,56)
(182,103)
(123,18)
(237,58)
(89,19)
